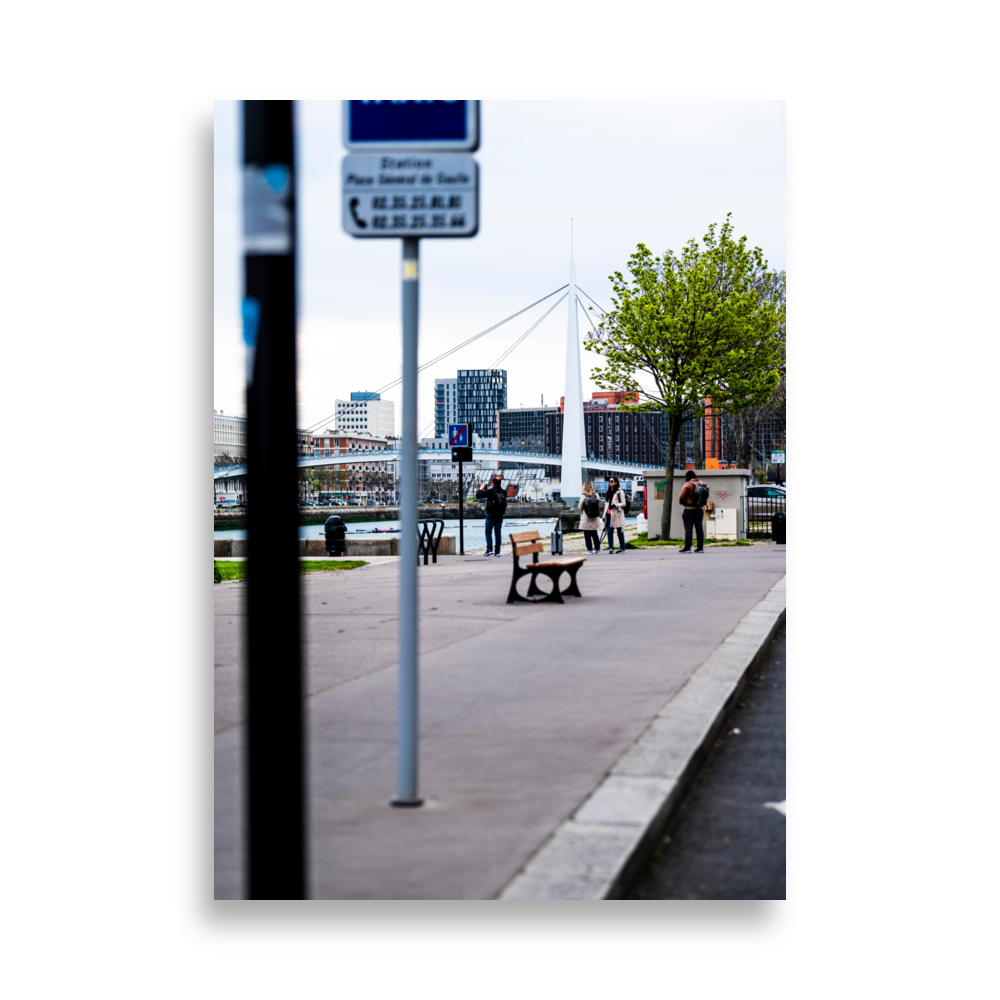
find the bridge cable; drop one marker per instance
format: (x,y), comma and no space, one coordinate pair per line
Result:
(441,357)
(512,347)
(579,289)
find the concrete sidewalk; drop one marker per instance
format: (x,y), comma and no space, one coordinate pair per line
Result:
(526,713)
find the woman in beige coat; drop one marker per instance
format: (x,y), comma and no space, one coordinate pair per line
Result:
(590,526)
(615,515)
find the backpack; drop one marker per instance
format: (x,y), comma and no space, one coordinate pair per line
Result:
(592,506)
(496,505)
(628,503)
(699,495)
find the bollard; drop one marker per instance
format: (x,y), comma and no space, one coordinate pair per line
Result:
(336,536)
(778,529)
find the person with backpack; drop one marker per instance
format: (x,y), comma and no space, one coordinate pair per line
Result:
(614,515)
(590,517)
(496,505)
(694,496)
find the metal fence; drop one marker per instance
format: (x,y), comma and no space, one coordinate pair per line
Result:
(758,515)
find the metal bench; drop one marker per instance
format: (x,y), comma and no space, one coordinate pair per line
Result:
(529,543)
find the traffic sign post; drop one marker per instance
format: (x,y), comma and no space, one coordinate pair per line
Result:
(458,438)
(410,176)
(778,457)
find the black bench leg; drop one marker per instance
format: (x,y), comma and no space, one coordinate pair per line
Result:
(555,597)
(513,595)
(572,590)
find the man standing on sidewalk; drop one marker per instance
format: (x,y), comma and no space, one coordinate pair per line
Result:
(496,505)
(694,496)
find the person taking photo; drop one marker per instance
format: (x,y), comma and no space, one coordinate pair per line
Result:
(496,505)
(614,517)
(591,510)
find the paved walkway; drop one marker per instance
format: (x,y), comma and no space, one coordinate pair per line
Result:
(524,709)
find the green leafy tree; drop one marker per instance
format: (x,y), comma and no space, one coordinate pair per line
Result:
(705,325)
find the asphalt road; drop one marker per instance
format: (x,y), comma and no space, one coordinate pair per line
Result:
(727,842)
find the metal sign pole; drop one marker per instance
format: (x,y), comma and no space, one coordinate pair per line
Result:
(275,793)
(408,708)
(461,524)
(431,189)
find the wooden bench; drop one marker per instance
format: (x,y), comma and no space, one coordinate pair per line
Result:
(529,543)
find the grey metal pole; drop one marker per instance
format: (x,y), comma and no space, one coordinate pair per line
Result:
(408,690)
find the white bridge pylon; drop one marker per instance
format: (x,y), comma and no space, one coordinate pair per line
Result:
(442,455)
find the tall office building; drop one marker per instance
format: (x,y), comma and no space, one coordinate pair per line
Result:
(366,413)
(482,394)
(624,436)
(445,405)
(523,429)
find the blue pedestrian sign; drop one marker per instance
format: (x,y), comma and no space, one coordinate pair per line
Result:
(458,435)
(398,125)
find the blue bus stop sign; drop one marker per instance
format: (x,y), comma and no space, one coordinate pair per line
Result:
(424,125)
(458,435)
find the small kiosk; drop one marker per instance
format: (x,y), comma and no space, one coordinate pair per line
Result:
(723,517)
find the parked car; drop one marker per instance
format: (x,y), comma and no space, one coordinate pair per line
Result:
(764,501)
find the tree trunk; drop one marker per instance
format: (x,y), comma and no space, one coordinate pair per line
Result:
(744,442)
(699,442)
(675,427)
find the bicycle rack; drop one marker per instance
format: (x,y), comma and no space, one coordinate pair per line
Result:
(427,541)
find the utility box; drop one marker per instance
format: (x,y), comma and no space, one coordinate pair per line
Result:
(722,525)
(726,490)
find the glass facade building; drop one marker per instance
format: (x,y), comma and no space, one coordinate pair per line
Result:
(482,394)
(523,429)
(622,436)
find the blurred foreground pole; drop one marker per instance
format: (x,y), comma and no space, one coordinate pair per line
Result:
(275,817)
(408,692)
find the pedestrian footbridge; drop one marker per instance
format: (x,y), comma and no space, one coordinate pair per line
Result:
(443,455)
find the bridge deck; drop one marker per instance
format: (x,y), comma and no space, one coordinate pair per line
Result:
(442,455)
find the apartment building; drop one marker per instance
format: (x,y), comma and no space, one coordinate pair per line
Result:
(230,437)
(445,405)
(366,477)
(482,394)
(366,413)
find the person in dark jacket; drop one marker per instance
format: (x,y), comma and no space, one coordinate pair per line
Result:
(496,504)
(692,515)
(614,516)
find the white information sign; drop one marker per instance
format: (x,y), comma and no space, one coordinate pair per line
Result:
(778,457)
(413,194)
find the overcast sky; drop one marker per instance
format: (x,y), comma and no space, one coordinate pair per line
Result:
(655,172)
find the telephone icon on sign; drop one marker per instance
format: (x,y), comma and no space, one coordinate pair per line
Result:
(353,206)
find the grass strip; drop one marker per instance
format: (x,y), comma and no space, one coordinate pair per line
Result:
(642,541)
(238,570)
